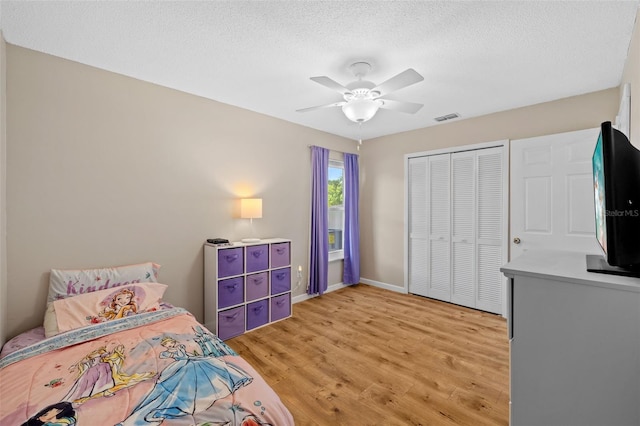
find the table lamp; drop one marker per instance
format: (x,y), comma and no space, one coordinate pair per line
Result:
(251,208)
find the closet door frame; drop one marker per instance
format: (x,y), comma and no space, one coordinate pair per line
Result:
(504,144)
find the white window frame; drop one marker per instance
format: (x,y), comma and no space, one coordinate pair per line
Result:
(338,254)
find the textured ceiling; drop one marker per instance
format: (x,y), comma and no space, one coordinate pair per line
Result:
(476,57)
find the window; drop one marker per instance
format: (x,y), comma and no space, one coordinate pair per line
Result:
(335,190)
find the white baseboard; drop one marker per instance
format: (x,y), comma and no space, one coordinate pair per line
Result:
(385,286)
(338,286)
(305,296)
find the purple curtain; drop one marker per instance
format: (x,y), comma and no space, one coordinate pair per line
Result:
(319,262)
(351,273)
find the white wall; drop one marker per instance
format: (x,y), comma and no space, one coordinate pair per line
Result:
(631,75)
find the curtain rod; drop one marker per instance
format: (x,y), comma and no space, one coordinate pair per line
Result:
(334,150)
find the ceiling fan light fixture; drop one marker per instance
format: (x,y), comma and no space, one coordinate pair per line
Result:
(363,98)
(360,110)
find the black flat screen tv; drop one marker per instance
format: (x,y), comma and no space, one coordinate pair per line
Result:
(616,189)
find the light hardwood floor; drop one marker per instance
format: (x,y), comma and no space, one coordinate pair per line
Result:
(367,356)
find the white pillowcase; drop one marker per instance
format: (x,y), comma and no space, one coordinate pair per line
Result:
(102,306)
(65,283)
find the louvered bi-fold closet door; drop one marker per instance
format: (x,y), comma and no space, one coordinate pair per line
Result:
(463,241)
(439,248)
(456,227)
(490,226)
(418,220)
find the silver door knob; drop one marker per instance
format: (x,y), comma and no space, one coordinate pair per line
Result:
(516,240)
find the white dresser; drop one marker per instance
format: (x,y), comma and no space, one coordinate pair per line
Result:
(575,342)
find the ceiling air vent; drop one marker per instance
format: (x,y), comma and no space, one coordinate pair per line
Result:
(447,117)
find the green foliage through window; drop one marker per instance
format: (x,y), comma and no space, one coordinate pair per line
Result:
(335,192)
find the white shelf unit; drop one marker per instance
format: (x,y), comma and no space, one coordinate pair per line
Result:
(246,285)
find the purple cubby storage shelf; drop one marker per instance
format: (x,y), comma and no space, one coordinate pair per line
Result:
(247,285)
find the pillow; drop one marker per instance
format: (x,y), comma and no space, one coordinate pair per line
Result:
(101,306)
(65,283)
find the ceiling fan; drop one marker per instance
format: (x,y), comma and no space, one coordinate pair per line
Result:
(362,98)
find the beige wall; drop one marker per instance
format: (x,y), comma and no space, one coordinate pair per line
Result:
(104,169)
(631,75)
(382,167)
(3,180)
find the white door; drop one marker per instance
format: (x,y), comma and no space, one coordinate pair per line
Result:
(463,240)
(491,229)
(417,223)
(439,251)
(552,193)
(457,227)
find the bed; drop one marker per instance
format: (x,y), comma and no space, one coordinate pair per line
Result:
(111,352)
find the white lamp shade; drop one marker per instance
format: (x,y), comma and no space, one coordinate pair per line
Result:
(360,110)
(251,208)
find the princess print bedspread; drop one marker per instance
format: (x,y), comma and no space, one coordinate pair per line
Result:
(157,368)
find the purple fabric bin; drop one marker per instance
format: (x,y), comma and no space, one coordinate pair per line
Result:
(280,306)
(257,314)
(280,280)
(280,255)
(257,258)
(230,262)
(257,286)
(231,323)
(230,292)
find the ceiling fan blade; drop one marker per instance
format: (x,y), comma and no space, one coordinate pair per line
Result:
(331,84)
(408,107)
(404,79)
(336,104)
